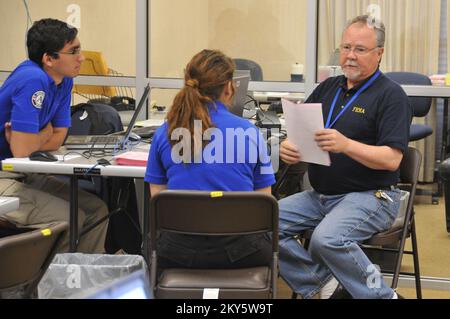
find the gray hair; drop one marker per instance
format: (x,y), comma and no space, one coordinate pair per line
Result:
(372,22)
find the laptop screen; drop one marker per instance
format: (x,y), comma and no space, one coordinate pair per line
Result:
(241,80)
(135,114)
(134,286)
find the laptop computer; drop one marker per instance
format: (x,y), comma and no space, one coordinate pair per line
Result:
(114,141)
(133,286)
(241,81)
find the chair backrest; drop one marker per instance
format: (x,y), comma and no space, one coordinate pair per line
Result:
(25,257)
(94,64)
(214,214)
(409,175)
(410,166)
(420,105)
(256,73)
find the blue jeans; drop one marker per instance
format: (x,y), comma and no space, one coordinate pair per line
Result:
(340,222)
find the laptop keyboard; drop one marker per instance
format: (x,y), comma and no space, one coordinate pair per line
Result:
(104,140)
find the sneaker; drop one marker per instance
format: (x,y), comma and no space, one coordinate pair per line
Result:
(397,296)
(329,288)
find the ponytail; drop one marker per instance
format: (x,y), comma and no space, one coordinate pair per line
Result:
(205,78)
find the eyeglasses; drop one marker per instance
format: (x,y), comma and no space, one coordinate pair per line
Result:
(74,51)
(358,50)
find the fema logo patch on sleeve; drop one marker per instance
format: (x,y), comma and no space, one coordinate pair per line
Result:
(38,99)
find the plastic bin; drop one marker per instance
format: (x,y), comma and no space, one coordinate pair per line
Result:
(76,275)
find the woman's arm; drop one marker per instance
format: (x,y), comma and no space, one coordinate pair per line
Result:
(155,189)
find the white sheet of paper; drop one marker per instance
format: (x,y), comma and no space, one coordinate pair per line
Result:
(302,123)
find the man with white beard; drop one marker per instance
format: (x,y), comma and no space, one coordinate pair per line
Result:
(367,119)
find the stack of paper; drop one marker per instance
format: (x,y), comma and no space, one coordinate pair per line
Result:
(303,121)
(132,159)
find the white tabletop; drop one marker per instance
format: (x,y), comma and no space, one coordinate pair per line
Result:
(72,165)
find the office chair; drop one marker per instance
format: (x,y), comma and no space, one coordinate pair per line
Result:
(95,64)
(121,98)
(256,73)
(396,236)
(214,214)
(420,106)
(25,257)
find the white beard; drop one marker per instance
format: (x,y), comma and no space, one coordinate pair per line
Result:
(352,75)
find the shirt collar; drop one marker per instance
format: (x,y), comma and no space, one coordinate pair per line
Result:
(217,106)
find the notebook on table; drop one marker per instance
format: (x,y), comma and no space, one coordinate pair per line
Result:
(132,158)
(114,141)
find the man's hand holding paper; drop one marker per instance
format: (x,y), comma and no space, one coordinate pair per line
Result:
(289,153)
(303,122)
(332,141)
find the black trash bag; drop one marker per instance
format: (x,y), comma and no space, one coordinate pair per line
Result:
(123,230)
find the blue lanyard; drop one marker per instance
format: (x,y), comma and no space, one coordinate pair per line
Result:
(357,94)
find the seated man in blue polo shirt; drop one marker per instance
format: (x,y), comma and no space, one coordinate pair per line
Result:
(35,116)
(367,120)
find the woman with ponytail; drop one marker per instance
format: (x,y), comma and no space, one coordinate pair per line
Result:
(202,146)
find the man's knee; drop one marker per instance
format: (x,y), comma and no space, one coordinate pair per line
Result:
(322,242)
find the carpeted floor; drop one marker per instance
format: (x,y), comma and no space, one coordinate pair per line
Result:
(434,250)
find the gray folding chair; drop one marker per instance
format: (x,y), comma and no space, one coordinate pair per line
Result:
(25,257)
(396,236)
(214,214)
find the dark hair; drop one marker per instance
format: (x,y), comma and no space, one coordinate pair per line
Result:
(205,78)
(48,36)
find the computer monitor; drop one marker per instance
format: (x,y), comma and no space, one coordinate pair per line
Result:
(241,79)
(134,286)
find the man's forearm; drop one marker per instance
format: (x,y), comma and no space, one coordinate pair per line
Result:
(23,144)
(374,157)
(55,141)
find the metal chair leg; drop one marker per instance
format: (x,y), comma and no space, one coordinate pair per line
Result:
(416,259)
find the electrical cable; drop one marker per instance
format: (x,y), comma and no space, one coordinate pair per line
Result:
(251,99)
(29,21)
(27,9)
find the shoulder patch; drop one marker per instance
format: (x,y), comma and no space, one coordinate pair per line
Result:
(38,99)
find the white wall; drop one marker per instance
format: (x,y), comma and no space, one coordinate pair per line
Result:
(106,25)
(270,32)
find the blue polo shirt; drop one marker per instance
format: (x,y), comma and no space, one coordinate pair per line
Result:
(235,159)
(30,99)
(380,116)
